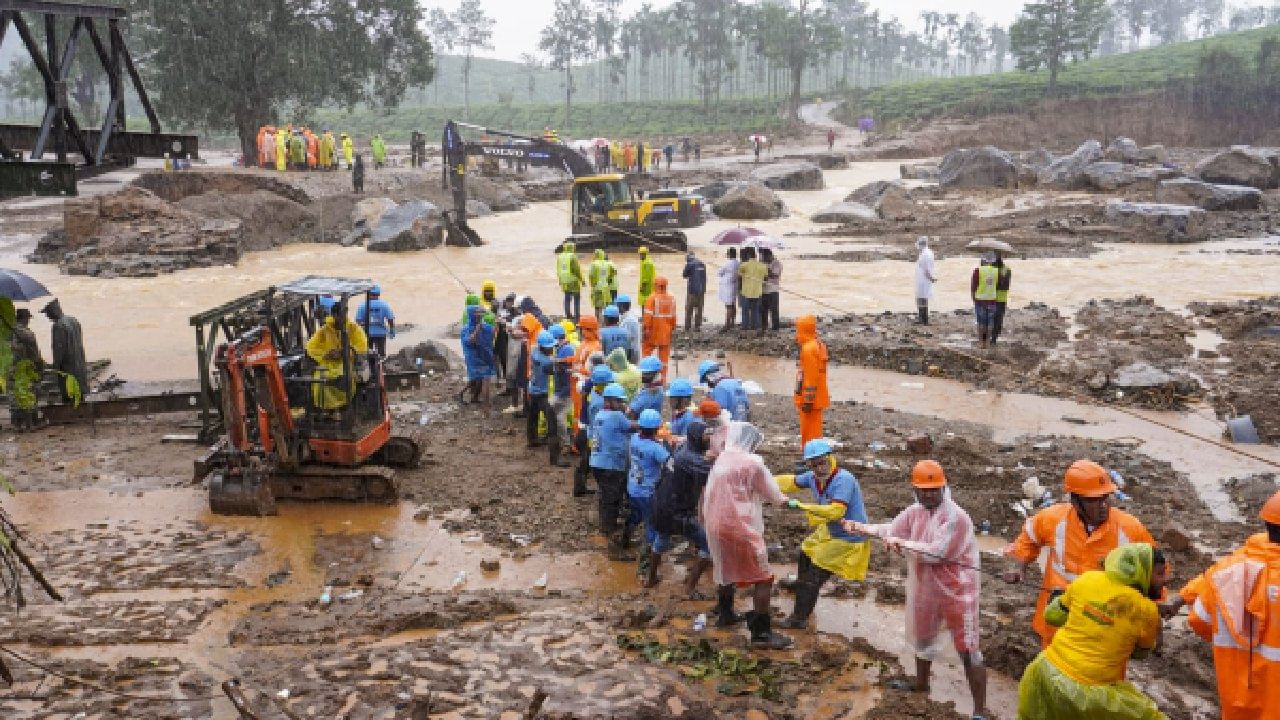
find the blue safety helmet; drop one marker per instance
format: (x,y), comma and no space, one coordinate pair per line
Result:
(680,388)
(557,331)
(565,352)
(546,339)
(650,364)
(707,366)
(622,299)
(816,449)
(375,290)
(611,311)
(650,419)
(327,302)
(601,375)
(615,391)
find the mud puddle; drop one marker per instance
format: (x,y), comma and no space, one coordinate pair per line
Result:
(1011,415)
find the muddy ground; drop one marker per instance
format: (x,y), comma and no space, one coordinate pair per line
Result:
(398,641)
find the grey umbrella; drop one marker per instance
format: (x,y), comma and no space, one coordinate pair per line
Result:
(20,286)
(990,244)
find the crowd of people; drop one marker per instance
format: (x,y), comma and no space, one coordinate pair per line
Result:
(677,458)
(27,366)
(642,157)
(292,148)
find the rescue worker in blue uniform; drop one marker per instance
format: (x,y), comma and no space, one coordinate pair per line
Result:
(650,395)
(610,445)
(382,321)
(727,391)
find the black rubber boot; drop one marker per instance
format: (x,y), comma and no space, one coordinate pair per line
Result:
(806,601)
(762,634)
(554,446)
(580,488)
(725,616)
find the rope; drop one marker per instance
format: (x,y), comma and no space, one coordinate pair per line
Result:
(102,688)
(1044,382)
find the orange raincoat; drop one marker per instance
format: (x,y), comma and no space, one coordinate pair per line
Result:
(811,379)
(1236,606)
(659,323)
(589,342)
(1072,552)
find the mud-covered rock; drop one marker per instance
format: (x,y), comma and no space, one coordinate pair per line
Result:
(1159,222)
(801,175)
(1123,149)
(749,202)
(843,212)
(824,160)
(1240,166)
(415,225)
(918,171)
(1153,154)
(890,199)
(369,211)
(1067,172)
(978,167)
(1111,175)
(1208,196)
(499,196)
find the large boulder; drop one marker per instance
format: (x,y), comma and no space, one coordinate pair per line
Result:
(1110,175)
(890,199)
(824,160)
(752,201)
(415,225)
(1038,158)
(497,195)
(978,167)
(844,212)
(918,171)
(369,211)
(713,191)
(1123,149)
(1067,172)
(1159,222)
(797,175)
(1208,196)
(1240,166)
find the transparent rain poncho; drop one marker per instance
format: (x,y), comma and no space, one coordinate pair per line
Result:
(731,509)
(942,579)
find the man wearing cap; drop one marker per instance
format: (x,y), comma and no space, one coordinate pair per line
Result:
(629,320)
(613,336)
(830,549)
(325,349)
(591,403)
(926,276)
(600,273)
(1078,533)
(675,506)
(942,578)
(679,397)
(647,458)
(811,396)
(610,437)
(651,393)
(24,374)
(984,291)
(1235,605)
(68,350)
(381,321)
(659,323)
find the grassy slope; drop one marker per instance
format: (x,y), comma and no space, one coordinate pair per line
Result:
(1125,74)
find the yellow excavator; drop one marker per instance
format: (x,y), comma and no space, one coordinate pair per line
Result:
(605,212)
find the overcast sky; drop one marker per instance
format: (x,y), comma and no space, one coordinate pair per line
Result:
(521,21)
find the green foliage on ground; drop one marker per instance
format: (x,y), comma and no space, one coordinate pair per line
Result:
(586,120)
(1114,75)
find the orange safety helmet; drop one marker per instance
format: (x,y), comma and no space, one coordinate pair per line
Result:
(928,474)
(1271,511)
(708,408)
(1088,479)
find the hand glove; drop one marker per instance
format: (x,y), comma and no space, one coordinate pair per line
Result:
(793,504)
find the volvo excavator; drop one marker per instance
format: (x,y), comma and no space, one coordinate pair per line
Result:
(283,439)
(604,211)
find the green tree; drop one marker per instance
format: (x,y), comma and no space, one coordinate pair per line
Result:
(240,64)
(567,39)
(797,36)
(467,29)
(1050,32)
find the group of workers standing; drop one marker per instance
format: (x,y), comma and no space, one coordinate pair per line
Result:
(988,288)
(28,367)
(641,157)
(299,149)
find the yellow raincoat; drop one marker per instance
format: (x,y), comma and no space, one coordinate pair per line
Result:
(282,151)
(839,555)
(328,397)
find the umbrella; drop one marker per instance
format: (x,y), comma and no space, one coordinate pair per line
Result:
(735,236)
(764,241)
(990,244)
(20,286)
(600,142)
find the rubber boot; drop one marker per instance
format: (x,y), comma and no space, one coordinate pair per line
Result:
(580,488)
(762,634)
(806,601)
(554,446)
(924,314)
(725,616)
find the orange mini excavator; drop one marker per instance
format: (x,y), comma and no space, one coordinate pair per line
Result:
(286,435)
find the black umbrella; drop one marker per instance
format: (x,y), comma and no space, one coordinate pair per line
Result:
(20,286)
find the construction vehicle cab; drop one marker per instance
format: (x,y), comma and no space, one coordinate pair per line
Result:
(300,426)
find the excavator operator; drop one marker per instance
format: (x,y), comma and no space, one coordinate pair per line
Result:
(325,349)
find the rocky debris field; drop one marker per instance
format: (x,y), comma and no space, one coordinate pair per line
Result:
(1249,382)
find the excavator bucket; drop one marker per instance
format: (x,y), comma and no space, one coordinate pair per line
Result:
(241,492)
(458,233)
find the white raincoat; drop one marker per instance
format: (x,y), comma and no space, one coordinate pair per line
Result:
(728,290)
(731,509)
(924,269)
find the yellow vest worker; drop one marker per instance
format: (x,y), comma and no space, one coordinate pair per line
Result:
(348,150)
(282,151)
(325,348)
(647,274)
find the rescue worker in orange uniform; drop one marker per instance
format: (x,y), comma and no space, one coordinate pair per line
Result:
(1235,605)
(811,395)
(659,323)
(1078,533)
(313,148)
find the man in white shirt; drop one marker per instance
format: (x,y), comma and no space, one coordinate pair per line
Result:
(925,278)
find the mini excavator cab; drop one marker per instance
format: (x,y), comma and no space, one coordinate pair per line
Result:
(307,422)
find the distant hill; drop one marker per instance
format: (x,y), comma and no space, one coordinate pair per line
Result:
(1132,73)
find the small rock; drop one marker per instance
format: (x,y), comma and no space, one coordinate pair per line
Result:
(490,565)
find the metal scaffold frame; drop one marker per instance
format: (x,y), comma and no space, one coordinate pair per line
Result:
(60,131)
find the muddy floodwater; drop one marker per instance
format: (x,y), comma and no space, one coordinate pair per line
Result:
(142,324)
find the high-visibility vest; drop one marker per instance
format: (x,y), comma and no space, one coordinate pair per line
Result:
(569,282)
(988,276)
(1002,294)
